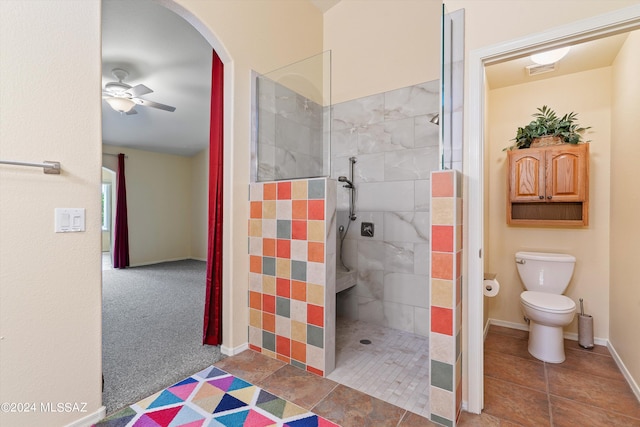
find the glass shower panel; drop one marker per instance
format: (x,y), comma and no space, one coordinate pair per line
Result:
(292,121)
(451,96)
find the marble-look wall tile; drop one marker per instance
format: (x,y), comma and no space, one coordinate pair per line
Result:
(386,196)
(396,148)
(357,113)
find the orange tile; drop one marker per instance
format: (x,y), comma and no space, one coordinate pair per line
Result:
(442,265)
(315,251)
(269,303)
(299,209)
(269,247)
(299,351)
(315,371)
(256,210)
(255,264)
(315,315)
(299,230)
(441,184)
(283,346)
(255,300)
(315,209)
(298,290)
(269,191)
(283,287)
(284,359)
(283,248)
(284,190)
(442,238)
(269,322)
(255,348)
(442,320)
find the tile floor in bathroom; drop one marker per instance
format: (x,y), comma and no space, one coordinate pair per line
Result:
(586,390)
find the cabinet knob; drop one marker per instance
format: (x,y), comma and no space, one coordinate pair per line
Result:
(548,197)
(541,197)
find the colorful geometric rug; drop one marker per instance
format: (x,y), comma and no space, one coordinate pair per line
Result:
(214,398)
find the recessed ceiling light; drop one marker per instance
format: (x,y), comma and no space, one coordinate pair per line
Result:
(551,56)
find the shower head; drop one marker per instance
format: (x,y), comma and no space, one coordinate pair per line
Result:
(344,179)
(435,119)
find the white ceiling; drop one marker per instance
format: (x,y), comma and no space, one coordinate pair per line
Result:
(162,51)
(581,57)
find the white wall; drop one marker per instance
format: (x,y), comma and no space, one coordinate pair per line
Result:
(589,95)
(50,286)
(625,202)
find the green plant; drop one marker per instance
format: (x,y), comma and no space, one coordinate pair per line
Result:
(547,123)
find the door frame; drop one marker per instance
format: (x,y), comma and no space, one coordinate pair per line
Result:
(619,21)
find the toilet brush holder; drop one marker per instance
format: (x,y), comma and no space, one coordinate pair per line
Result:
(585,331)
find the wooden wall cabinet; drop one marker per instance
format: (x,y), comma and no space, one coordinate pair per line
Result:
(549,186)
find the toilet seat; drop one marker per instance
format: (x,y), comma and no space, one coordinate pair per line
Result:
(551,303)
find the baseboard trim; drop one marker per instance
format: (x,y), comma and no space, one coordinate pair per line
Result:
(232,351)
(632,382)
(523,327)
(90,419)
(142,264)
(486,329)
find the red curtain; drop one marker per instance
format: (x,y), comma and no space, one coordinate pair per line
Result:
(212,333)
(121,243)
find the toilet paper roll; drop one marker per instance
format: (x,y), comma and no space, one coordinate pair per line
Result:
(490,288)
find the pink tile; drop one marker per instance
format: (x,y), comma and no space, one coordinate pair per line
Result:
(442,238)
(442,265)
(442,320)
(284,190)
(441,184)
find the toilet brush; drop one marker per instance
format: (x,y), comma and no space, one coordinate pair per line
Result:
(585,328)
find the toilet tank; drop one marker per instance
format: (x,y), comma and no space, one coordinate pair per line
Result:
(545,272)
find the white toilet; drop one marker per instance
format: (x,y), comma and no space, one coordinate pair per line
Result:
(545,277)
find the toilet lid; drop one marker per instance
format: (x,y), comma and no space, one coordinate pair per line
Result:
(548,302)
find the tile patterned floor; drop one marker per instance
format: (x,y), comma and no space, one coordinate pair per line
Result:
(586,390)
(399,359)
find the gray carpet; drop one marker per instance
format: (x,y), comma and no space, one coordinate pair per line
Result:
(152,329)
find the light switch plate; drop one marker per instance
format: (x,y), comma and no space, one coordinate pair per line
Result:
(69,220)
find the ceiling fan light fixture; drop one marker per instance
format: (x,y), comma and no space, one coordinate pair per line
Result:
(121,105)
(550,56)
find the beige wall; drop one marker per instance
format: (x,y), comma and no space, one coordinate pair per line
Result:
(589,95)
(625,202)
(158,204)
(50,295)
(261,36)
(377,46)
(199,204)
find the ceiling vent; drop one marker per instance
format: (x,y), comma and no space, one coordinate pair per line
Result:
(533,70)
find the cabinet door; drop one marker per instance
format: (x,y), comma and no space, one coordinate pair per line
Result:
(526,175)
(566,173)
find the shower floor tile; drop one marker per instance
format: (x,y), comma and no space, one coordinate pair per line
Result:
(393,368)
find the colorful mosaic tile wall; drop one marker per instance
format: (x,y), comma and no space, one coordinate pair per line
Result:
(292,272)
(445,393)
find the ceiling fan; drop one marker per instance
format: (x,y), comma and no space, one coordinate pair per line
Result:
(123,97)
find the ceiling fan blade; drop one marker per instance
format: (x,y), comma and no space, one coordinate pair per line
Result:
(132,111)
(146,103)
(138,90)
